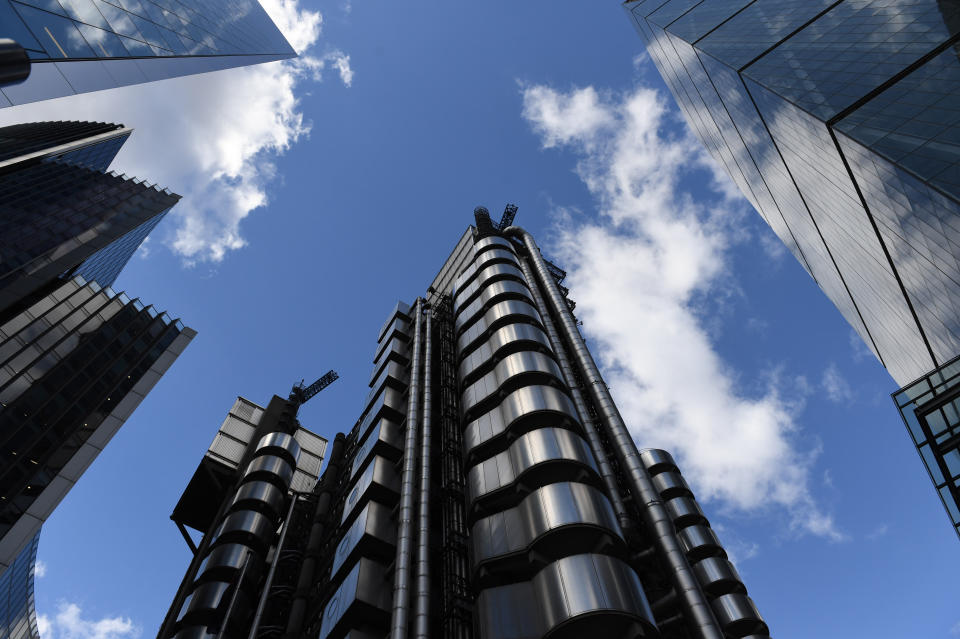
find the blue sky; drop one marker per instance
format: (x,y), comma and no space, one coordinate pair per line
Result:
(318,193)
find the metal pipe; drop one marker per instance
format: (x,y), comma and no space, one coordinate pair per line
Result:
(694,603)
(401,579)
(325,487)
(272,571)
(606,471)
(421,609)
(233,597)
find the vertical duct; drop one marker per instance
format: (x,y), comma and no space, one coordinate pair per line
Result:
(242,540)
(315,542)
(421,614)
(401,586)
(606,472)
(693,601)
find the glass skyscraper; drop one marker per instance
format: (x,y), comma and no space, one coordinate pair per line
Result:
(78,46)
(840,122)
(76,357)
(62,214)
(488,489)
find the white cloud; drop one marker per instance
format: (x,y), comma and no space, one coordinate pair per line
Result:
(40,569)
(640,273)
(69,623)
(212,137)
(835,386)
(955,629)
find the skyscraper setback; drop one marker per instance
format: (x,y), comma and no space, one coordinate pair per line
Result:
(839,121)
(489,488)
(76,46)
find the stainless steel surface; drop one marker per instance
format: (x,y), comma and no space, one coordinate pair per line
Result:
(699,542)
(421,595)
(374,521)
(684,511)
(480,262)
(268,583)
(399,329)
(205,600)
(390,403)
(536,366)
(391,383)
(671,484)
(261,496)
(400,310)
(401,583)
(526,408)
(738,615)
(503,341)
(376,482)
(513,469)
(463,296)
(494,317)
(488,294)
(194,632)
(657,461)
(491,241)
(246,527)
(586,595)
(365,590)
(279,444)
(223,562)
(586,420)
(384,438)
(693,600)
(718,576)
(549,522)
(582,584)
(271,468)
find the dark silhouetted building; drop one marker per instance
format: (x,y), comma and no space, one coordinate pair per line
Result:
(62,213)
(840,122)
(76,357)
(489,489)
(77,46)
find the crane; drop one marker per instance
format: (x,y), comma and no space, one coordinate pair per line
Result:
(301,394)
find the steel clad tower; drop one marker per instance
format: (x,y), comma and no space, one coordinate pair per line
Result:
(489,489)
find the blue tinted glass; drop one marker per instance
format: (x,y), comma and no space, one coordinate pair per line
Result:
(85,11)
(671,11)
(705,16)
(58,35)
(851,50)
(15,28)
(105,44)
(759,27)
(916,122)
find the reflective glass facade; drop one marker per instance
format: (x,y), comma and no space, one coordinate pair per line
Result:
(930,408)
(61,214)
(840,121)
(88,45)
(73,367)
(18,616)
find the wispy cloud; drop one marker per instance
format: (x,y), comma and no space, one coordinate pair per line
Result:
(835,386)
(40,569)
(878,532)
(69,623)
(215,137)
(640,272)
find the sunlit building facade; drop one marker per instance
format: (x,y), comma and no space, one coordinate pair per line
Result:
(840,122)
(488,489)
(77,46)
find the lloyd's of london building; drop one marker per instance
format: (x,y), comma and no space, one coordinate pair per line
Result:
(489,489)
(840,121)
